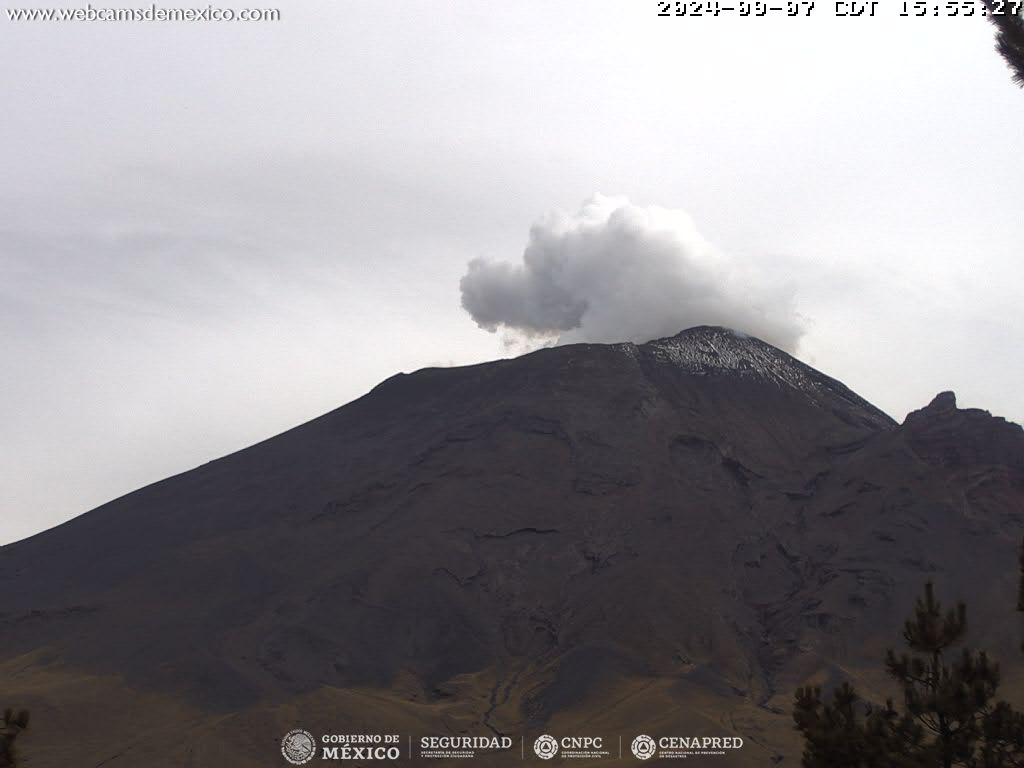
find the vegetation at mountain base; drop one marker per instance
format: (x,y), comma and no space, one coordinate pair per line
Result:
(949,715)
(13,725)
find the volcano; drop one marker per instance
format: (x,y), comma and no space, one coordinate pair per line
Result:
(590,539)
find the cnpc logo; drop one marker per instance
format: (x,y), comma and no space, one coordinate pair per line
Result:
(546,746)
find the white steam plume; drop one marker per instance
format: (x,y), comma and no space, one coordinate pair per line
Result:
(614,272)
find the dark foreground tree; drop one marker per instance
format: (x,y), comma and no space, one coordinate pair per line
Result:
(846,733)
(1009,35)
(949,715)
(12,727)
(1004,728)
(949,700)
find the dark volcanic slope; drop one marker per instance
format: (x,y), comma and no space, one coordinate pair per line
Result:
(703,509)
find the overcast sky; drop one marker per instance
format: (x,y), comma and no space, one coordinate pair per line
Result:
(210,233)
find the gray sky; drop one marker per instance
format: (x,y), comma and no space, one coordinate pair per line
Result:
(212,232)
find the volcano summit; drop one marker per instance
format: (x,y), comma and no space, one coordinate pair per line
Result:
(659,538)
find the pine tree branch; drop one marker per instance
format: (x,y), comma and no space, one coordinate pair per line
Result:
(1009,38)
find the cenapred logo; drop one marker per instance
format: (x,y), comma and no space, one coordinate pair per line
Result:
(298,747)
(682,747)
(643,747)
(546,747)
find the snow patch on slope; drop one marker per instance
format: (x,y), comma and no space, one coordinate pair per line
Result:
(710,349)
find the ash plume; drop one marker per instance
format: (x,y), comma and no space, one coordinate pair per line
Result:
(614,271)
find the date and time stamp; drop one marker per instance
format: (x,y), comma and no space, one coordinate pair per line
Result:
(849,8)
